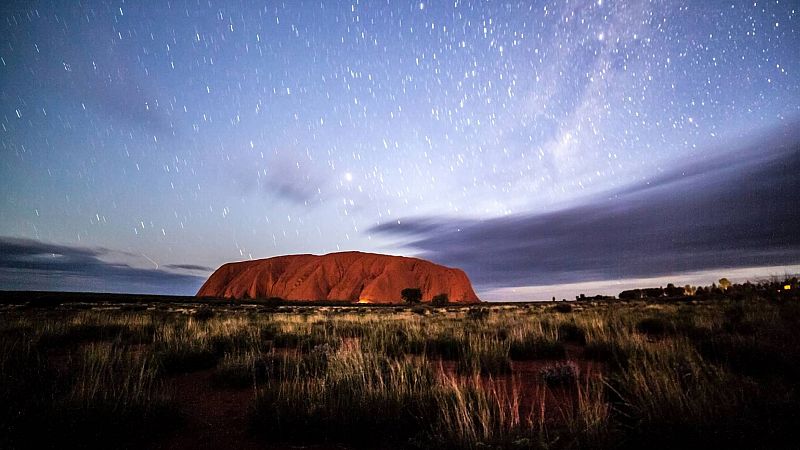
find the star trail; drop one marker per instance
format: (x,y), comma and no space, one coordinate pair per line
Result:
(141,139)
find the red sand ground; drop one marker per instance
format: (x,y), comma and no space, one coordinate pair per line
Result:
(216,417)
(213,417)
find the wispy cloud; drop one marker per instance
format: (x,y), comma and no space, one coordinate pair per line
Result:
(27,264)
(188,267)
(278,176)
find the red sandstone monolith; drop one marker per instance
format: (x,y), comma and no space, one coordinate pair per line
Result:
(347,276)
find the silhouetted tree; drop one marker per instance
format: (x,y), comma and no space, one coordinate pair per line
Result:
(440,300)
(673,291)
(630,294)
(653,292)
(411,295)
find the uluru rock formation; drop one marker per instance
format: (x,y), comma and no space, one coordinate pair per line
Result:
(348,276)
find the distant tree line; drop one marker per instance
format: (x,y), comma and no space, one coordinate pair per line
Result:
(770,289)
(670,291)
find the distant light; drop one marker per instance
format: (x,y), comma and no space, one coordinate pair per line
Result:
(601,36)
(421,6)
(787,287)
(348,176)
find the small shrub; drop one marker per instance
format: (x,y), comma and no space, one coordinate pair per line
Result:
(286,340)
(742,327)
(563,307)
(502,334)
(478,314)
(143,334)
(736,321)
(315,362)
(204,313)
(229,343)
(351,330)
(444,347)
(269,331)
(397,344)
(411,295)
(653,327)
(560,374)
(133,307)
(75,334)
(536,348)
(274,301)
(571,332)
(598,351)
(420,310)
(185,360)
(233,374)
(617,357)
(45,302)
(751,357)
(440,300)
(240,371)
(486,362)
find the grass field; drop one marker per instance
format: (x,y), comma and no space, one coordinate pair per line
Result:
(670,374)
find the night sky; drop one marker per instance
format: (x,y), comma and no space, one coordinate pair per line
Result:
(143,144)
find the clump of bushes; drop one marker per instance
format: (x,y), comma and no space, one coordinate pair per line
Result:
(750,356)
(298,341)
(185,360)
(69,334)
(351,329)
(444,346)
(616,356)
(654,327)
(221,344)
(571,332)
(478,314)
(411,295)
(269,330)
(234,372)
(440,300)
(274,301)
(531,348)
(563,307)
(394,342)
(420,310)
(484,362)
(204,313)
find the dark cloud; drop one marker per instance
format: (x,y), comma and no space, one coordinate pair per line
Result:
(737,210)
(27,264)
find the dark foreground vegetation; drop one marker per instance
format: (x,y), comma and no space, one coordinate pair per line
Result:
(719,372)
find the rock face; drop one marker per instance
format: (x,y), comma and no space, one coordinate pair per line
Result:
(350,276)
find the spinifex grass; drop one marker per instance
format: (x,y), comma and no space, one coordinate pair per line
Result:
(642,374)
(87,394)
